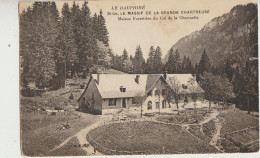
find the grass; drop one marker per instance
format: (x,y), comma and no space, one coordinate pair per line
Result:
(246,136)
(39,134)
(195,130)
(147,138)
(185,117)
(72,148)
(234,120)
(38,131)
(236,133)
(228,146)
(51,99)
(209,128)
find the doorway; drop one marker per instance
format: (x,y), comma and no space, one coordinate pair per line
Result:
(123,103)
(149,105)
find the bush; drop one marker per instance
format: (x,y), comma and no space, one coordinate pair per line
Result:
(71,97)
(149,114)
(57,108)
(82,86)
(27,92)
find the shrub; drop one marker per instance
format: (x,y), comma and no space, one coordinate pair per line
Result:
(58,108)
(71,97)
(82,86)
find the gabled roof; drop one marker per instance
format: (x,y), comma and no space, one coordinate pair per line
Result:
(89,79)
(184,80)
(151,79)
(109,84)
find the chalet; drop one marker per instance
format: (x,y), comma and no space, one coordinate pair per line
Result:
(185,91)
(108,93)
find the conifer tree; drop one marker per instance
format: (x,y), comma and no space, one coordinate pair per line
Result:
(26,50)
(204,64)
(76,29)
(128,65)
(189,67)
(65,55)
(102,32)
(139,62)
(158,60)
(150,68)
(88,42)
(184,64)
(125,55)
(170,64)
(54,47)
(228,70)
(131,57)
(177,61)
(43,37)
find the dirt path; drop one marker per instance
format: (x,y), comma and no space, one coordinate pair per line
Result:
(81,136)
(89,149)
(63,143)
(216,136)
(212,115)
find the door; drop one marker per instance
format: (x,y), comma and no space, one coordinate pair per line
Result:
(149,105)
(164,104)
(123,103)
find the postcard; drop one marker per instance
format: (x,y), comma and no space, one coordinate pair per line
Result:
(135,77)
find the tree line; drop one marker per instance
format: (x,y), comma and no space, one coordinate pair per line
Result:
(235,82)
(154,63)
(55,46)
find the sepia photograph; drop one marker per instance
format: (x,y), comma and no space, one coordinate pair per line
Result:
(131,77)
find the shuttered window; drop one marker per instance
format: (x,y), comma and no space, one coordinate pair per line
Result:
(112,102)
(133,101)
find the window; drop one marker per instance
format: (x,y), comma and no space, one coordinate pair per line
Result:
(133,101)
(164,104)
(164,91)
(184,86)
(112,102)
(157,105)
(149,105)
(157,92)
(186,99)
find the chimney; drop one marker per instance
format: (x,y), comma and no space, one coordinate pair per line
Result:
(165,75)
(97,78)
(137,79)
(122,89)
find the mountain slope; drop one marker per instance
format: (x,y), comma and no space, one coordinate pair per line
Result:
(232,35)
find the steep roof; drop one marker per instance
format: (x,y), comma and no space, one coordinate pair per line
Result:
(184,81)
(151,79)
(109,85)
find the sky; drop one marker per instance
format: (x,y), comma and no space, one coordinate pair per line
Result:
(164,33)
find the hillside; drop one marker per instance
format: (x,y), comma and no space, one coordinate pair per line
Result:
(232,35)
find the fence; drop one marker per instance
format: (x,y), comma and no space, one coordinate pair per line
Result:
(108,151)
(52,113)
(243,146)
(121,119)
